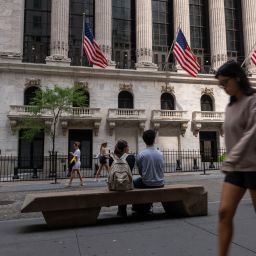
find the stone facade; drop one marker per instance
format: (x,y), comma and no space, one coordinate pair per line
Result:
(175,129)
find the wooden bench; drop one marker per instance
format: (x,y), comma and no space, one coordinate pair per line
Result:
(77,208)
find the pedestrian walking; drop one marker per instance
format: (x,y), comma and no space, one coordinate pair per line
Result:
(103,159)
(240,139)
(76,167)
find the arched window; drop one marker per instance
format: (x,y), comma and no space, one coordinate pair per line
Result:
(167,101)
(29,94)
(86,102)
(125,100)
(206,103)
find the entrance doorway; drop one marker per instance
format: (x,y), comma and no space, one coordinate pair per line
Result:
(31,153)
(208,146)
(85,139)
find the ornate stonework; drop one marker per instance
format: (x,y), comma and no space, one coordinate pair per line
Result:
(169,89)
(207,91)
(32,82)
(81,84)
(125,87)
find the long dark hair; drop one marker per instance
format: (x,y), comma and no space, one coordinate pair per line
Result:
(120,147)
(233,70)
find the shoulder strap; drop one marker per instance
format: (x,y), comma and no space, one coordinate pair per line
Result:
(115,158)
(124,156)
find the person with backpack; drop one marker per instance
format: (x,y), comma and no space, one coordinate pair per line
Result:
(120,175)
(150,162)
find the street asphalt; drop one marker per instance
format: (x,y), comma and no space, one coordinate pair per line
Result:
(156,235)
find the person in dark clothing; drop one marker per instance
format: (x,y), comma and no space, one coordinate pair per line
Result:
(121,148)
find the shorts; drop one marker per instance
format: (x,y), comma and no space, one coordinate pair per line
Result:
(76,166)
(242,179)
(103,160)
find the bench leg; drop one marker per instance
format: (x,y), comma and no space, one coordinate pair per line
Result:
(195,206)
(71,218)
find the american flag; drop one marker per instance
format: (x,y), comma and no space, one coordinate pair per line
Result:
(185,56)
(92,49)
(253,57)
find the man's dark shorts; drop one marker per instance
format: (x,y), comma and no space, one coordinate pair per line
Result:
(242,179)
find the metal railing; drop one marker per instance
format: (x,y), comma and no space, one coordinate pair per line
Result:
(14,168)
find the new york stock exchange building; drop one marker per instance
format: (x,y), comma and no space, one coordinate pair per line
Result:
(141,88)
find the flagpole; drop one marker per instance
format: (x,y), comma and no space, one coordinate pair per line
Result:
(82,46)
(170,51)
(248,55)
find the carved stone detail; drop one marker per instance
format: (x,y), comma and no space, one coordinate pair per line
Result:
(13,124)
(142,127)
(183,128)
(156,126)
(125,87)
(197,127)
(169,89)
(81,84)
(144,52)
(207,91)
(96,128)
(33,82)
(112,125)
(64,126)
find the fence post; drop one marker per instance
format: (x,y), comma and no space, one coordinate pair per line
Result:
(34,176)
(211,166)
(55,167)
(178,166)
(195,167)
(15,175)
(203,160)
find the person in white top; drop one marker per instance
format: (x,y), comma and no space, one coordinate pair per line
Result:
(76,167)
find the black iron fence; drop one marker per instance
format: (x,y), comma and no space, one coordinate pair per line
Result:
(54,167)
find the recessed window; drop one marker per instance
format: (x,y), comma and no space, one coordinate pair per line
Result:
(234,31)
(124,33)
(37,31)
(206,103)
(76,9)
(167,102)
(125,100)
(29,94)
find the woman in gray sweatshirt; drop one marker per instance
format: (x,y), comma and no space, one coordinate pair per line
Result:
(240,140)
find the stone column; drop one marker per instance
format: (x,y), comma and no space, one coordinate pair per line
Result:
(144,35)
(249,24)
(59,33)
(11,30)
(103,28)
(217,33)
(181,19)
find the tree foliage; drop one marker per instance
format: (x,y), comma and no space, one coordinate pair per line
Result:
(50,104)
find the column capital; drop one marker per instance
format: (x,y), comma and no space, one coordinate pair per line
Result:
(59,33)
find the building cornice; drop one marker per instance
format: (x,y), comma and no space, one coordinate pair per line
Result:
(120,74)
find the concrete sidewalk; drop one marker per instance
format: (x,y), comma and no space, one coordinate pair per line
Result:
(27,235)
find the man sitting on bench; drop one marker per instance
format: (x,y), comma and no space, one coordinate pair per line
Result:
(150,163)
